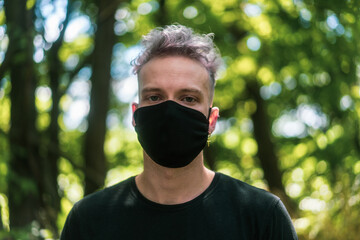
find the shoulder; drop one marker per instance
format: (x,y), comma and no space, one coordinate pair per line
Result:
(246,200)
(246,193)
(93,213)
(262,210)
(104,197)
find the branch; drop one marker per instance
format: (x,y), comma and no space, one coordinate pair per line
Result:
(86,61)
(54,149)
(109,11)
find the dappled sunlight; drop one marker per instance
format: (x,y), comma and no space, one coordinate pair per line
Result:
(54,15)
(74,192)
(300,150)
(261,25)
(43,98)
(249,146)
(5,106)
(253,43)
(77,26)
(266,75)
(76,113)
(230,169)
(321,141)
(312,204)
(272,90)
(43,104)
(231,139)
(252,10)
(115,175)
(81,44)
(289,126)
(301,224)
(69,182)
(147,7)
(126,90)
(294,189)
(190,12)
(245,65)
(4,211)
(302,56)
(300,122)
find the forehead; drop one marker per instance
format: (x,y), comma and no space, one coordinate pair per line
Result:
(173,64)
(173,70)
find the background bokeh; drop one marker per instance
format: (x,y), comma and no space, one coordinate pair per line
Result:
(288,94)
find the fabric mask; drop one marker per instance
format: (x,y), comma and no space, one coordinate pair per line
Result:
(171,134)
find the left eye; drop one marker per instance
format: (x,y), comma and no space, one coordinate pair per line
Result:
(189,99)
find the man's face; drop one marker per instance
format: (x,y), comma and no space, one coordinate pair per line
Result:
(175,78)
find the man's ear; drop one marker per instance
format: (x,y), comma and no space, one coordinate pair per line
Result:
(214,115)
(134,106)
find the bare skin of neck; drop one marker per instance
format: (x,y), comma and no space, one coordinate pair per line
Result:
(173,185)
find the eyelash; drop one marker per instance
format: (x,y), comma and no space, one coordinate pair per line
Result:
(186,99)
(150,98)
(189,98)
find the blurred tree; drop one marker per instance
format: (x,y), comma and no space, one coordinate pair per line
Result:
(95,160)
(24,178)
(289,102)
(52,151)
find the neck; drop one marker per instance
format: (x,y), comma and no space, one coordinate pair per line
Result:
(173,185)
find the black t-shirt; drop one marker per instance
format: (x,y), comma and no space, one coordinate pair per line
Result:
(228,209)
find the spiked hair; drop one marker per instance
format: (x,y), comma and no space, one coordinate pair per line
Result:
(178,40)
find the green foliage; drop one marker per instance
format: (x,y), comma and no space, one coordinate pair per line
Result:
(30,232)
(303,55)
(80,46)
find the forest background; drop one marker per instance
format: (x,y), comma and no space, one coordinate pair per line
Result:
(288,94)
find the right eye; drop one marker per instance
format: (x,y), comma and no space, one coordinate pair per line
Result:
(154,98)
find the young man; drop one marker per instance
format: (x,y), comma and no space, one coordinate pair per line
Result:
(176,196)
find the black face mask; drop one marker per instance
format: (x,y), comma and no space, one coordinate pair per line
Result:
(171,134)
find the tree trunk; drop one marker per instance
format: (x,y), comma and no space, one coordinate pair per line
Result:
(266,148)
(51,172)
(24,175)
(95,162)
(161,16)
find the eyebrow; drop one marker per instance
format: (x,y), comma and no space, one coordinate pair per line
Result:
(191,90)
(151,89)
(184,90)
